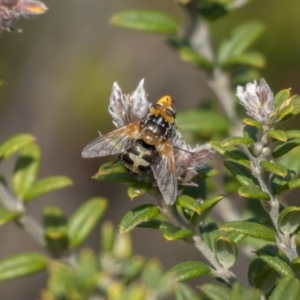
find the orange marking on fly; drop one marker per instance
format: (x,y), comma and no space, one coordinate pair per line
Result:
(163,107)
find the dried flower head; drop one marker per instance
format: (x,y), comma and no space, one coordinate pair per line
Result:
(12,10)
(126,109)
(257,99)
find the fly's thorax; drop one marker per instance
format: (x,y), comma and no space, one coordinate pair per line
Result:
(139,157)
(155,129)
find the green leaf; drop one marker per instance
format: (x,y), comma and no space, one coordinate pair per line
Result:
(251,122)
(189,55)
(152,275)
(209,204)
(281,267)
(261,276)
(286,147)
(232,152)
(287,185)
(296,266)
(188,203)
(252,59)
(236,140)
(115,172)
(142,213)
(279,135)
(21,265)
(173,233)
(14,144)
(275,168)
(133,267)
(56,232)
(239,40)
(226,252)
(26,169)
(289,219)
(6,216)
(241,173)
(187,270)
(211,122)
(253,192)
(138,189)
(250,229)
(84,219)
(46,185)
(240,293)
(107,236)
(122,249)
(210,232)
(185,292)
(287,288)
(293,134)
(281,97)
(285,113)
(145,20)
(215,292)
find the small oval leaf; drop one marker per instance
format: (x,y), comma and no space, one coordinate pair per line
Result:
(281,267)
(285,113)
(145,20)
(187,270)
(116,172)
(296,266)
(251,122)
(281,97)
(215,292)
(185,292)
(188,203)
(26,169)
(289,219)
(239,40)
(232,141)
(275,168)
(250,229)
(46,185)
(142,213)
(173,233)
(210,203)
(261,276)
(14,144)
(293,134)
(286,147)
(226,252)
(84,219)
(252,59)
(138,189)
(6,216)
(287,288)
(253,192)
(21,265)
(279,135)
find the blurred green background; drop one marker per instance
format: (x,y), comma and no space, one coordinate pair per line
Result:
(60,71)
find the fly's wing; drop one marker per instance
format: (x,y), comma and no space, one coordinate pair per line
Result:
(163,168)
(114,142)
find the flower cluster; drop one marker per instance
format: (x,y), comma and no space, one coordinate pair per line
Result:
(258,100)
(12,10)
(126,109)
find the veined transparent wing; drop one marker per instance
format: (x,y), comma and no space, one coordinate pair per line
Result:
(163,169)
(114,142)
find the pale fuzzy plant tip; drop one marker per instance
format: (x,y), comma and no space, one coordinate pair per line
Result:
(126,109)
(257,99)
(189,160)
(30,7)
